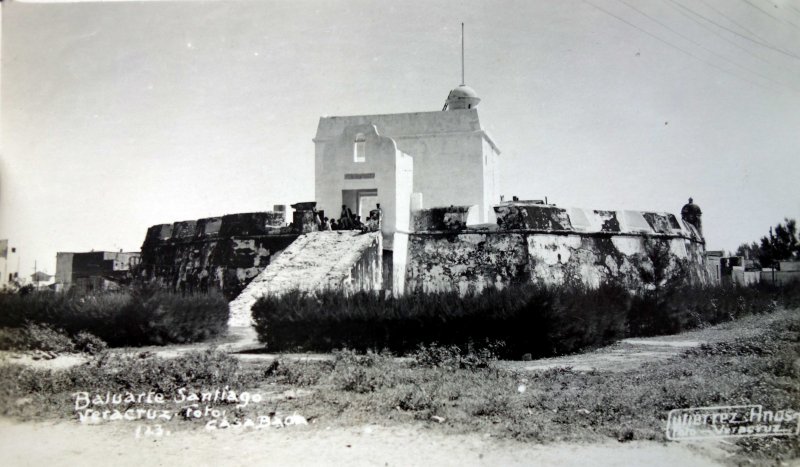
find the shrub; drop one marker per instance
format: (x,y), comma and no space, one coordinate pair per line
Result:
(35,337)
(526,318)
(89,343)
(132,317)
(360,373)
(453,357)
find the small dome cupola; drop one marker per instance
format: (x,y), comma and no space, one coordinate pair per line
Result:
(461,98)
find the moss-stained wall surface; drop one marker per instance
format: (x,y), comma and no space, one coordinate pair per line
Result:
(466,262)
(219,252)
(540,244)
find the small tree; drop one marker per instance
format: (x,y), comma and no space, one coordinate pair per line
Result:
(749,251)
(781,244)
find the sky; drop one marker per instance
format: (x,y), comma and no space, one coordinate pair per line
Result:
(118,116)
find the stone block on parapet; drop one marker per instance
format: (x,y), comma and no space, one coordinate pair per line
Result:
(305,206)
(275,219)
(304,221)
(183,230)
(662,223)
(208,226)
(442,219)
(525,216)
(251,223)
(158,233)
(609,220)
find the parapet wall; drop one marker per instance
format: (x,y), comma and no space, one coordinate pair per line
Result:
(217,252)
(550,245)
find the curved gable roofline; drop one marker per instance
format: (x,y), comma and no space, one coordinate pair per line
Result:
(407,125)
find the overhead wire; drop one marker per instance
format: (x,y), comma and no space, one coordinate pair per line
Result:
(766,13)
(716,54)
(680,49)
(731,20)
(744,28)
(763,44)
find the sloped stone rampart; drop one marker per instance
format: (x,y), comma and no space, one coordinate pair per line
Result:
(347,260)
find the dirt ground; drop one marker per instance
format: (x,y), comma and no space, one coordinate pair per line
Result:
(629,354)
(71,443)
(68,443)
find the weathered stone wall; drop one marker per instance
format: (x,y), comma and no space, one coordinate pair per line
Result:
(218,252)
(466,262)
(540,244)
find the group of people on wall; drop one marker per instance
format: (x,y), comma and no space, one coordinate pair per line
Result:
(348,221)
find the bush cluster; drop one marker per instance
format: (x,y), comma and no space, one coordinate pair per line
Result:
(526,318)
(35,336)
(131,317)
(142,372)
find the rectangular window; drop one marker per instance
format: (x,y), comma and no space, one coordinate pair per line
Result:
(360,149)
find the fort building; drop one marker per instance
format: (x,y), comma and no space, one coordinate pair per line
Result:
(443,226)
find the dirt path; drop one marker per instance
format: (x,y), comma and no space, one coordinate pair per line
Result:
(68,443)
(629,354)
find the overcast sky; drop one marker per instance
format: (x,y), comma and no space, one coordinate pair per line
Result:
(118,116)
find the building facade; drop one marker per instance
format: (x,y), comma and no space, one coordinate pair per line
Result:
(94,270)
(448,156)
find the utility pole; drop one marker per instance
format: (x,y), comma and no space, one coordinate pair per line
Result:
(462,54)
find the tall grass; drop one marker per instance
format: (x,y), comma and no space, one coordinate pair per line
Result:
(526,318)
(131,317)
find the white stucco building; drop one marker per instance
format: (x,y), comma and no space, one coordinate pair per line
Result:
(407,161)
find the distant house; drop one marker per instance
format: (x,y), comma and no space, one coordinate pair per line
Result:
(738,270)
(94,270)
(714,265)
(787,271)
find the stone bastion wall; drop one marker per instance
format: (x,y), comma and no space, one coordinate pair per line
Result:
(224,252)
(442,251)
(549,245)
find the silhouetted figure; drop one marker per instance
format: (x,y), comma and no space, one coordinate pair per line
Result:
(692,214)
(204,281)
(345,219)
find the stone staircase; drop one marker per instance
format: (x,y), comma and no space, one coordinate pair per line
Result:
(345,260)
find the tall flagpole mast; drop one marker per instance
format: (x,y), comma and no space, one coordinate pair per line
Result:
(462,54)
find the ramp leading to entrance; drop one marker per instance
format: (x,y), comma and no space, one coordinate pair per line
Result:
(345,260)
